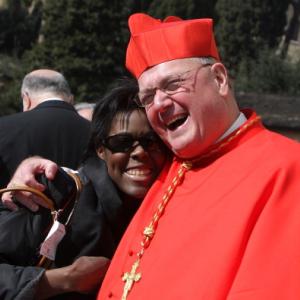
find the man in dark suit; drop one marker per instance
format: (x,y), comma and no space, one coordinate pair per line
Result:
(49,125)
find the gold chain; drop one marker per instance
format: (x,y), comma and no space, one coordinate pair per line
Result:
(131,277)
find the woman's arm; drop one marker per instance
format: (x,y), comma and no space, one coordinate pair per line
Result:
(83,276)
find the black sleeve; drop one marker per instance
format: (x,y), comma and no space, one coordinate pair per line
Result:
(22,231)
(60,189)
(19,283)
(96,224)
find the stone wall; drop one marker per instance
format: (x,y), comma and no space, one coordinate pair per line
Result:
(279,113)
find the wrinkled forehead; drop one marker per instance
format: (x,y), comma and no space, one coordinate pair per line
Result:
(152,76)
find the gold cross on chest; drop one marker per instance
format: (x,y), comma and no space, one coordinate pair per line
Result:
(130,278)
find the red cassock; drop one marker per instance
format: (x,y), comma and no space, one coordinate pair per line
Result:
(230,231)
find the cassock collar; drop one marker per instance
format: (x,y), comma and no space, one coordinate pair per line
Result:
(241,119)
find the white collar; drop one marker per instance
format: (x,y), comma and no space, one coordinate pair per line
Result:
(48,99)
(241,119)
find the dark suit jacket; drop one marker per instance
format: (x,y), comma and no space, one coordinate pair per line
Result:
(52,130)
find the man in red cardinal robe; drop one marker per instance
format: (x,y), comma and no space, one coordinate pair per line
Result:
(223,219)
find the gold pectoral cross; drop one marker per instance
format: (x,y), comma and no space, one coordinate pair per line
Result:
(130,278)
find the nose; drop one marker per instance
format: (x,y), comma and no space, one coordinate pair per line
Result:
(138,151)
(161,100)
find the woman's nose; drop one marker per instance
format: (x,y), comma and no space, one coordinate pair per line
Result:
(138,150)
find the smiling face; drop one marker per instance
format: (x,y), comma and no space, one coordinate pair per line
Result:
(190,119)
(133,171)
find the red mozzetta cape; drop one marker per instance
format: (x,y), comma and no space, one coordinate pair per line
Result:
(230,231)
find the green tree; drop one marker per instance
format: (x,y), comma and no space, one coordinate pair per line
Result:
(292,28)
(85,41)
(134,6)
(185,9)
(10,84)
(282,75)
(19,26)
(245,27)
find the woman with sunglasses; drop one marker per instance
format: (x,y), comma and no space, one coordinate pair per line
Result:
(134,156)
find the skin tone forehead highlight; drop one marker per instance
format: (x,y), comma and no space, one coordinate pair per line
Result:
(164,72)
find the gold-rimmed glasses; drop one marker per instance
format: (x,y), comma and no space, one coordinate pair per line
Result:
(171,85)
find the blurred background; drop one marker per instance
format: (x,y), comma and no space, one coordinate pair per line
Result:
(259,42)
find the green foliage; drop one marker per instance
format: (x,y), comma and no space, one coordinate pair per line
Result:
(184,9)
(86,41)
(10,85)
(83,41)
(245,27)
(134,6)
(19,28)
(268,74)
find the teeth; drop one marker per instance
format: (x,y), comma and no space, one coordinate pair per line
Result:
(138,172)
(175,120)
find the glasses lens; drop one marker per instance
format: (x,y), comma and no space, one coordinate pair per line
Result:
(149,141)
(125,142)
(138,101)
(119,142)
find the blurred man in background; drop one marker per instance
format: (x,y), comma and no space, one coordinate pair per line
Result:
(49,125)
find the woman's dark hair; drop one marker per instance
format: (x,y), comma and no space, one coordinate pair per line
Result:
(120,98)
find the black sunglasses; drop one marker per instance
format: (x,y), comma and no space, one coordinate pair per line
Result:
(125,142)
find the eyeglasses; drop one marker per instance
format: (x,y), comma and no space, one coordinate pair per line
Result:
(126,142)
(172,85)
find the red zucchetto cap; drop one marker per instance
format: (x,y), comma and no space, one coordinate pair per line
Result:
(154,41)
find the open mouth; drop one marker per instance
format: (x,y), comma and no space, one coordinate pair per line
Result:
(179,120)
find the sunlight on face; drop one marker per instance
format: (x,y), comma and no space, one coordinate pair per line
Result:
(190,120)
(133,171)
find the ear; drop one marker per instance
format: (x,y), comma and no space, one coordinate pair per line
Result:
(101,152)
(71,99)
(221,78)
(26,101)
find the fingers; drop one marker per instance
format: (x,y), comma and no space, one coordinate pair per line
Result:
(25,176)
(27,199)
(50,170)
(7,199)
(30,167)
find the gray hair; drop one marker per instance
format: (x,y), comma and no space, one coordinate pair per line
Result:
(55,84)
(206,60)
